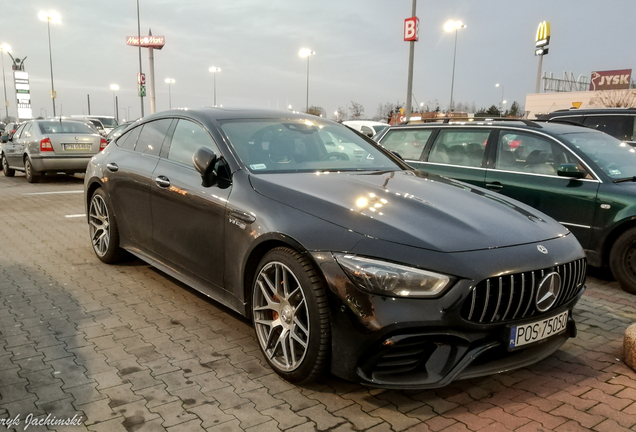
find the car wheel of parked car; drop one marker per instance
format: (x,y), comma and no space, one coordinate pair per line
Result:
(8,172)
(623,260)
(103,229)
(291,315)
(32,175)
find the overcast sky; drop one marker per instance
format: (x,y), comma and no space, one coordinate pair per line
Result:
(360,52)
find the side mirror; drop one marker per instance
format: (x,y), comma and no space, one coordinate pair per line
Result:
(204,160)
(4,138)
(571,170)
(399,156)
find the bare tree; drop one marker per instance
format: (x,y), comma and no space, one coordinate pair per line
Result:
(385,111)
(357,111)
(340,115)
(317,111)
(614,98)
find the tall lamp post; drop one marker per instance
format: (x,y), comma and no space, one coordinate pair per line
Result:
(214,70)
(114,88)
(502,99)
(55,18)
(169,81)
(3,48)
(306,52)
(449,27)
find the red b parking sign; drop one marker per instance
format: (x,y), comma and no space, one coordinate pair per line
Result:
(411,29)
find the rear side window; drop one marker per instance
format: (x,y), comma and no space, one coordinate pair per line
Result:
(459,147)
(152,136)
(621,126)
(187,138)
(409,143)
(26,133)
(129,139)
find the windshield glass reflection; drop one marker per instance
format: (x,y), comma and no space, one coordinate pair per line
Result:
(303,145)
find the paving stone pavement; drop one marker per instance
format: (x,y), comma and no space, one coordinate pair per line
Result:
(127,348)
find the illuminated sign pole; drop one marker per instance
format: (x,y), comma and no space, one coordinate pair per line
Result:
(411,35)
(541,48)
(151,42)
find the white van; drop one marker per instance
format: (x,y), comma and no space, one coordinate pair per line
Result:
(367,127)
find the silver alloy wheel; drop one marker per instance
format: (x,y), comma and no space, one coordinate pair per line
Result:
(281,316)
(99,224)
(28,170)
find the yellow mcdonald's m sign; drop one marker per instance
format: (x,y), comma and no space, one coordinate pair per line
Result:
(543,34)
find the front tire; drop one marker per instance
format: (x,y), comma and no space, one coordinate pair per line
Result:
(103,229)
(623,260)
(8,172)
(32,175)
(291,315)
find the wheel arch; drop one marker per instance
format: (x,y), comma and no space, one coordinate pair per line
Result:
(90,190)
(268,242)
(611,238)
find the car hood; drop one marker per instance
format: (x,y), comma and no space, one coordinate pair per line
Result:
(411,208)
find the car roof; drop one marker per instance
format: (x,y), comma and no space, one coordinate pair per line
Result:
(587,111)
(536,126)
(209,113)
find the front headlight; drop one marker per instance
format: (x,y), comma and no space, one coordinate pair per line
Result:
(385,278)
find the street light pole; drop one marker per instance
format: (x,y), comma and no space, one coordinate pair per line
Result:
(50,16)
(502,99)
(169,81)
(214,70)
(4,48)
(450,26)
(114,88)
(306,52)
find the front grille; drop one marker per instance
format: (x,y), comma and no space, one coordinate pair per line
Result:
(512,297)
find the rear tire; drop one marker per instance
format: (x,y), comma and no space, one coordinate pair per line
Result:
(291,316)
(103,230)
(623,260)
(8,172)
(32,175)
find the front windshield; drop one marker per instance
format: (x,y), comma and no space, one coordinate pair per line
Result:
(302,145)
(615,158)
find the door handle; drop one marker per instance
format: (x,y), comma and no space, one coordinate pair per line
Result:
(112,167)
(240,215)
(494,186)
(162,181)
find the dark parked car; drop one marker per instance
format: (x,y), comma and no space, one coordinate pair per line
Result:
(583,178)
(617,122)
(359,265)
(50,146)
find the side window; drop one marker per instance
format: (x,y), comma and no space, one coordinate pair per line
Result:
(26,133)
(187,138)
(18,131)
(528,153)
(459,147)
(409,143)
(621,127)
(367,130)
(129,139)
(152,136)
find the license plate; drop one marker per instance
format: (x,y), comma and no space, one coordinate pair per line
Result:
(77,146)
(535,331)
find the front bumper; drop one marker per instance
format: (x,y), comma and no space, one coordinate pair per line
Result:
(426,343)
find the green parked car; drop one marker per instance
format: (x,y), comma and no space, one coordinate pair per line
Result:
(583,178)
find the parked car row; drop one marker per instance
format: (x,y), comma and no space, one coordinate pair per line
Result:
(345,258)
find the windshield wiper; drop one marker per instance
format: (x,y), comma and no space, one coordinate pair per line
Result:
(626,179)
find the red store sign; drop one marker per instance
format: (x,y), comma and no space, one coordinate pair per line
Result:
(156,42)
(611,80)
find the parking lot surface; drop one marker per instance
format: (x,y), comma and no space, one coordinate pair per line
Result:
(88,346)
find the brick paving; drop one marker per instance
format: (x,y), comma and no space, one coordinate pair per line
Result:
(127,348)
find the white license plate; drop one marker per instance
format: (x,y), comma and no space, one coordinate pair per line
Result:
(538,330)
(77,146)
